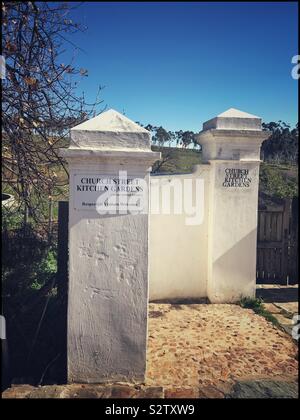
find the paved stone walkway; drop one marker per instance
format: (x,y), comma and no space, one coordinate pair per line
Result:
(215,345)
(281,301)
(198,350)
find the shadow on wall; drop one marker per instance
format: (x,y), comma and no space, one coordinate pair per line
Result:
(234,272)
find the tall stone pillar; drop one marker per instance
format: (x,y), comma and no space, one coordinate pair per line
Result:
(231,144)
(108,252)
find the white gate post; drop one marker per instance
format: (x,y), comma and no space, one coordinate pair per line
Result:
(108,253)
(231,144)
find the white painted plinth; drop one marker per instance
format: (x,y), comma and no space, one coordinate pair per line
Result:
(231,144)
(108,255)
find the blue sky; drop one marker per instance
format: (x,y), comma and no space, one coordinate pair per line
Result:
(178,64)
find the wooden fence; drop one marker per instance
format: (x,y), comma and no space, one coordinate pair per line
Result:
(277,243)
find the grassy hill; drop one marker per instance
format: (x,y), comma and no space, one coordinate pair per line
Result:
(179,160)
(278,180)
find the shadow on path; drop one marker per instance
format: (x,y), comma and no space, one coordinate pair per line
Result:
(284,294)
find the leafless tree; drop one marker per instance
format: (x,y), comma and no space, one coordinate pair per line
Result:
(39,100)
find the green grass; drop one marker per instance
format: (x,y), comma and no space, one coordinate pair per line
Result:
(180,160)
(275,180)
(257,305)
(279,180)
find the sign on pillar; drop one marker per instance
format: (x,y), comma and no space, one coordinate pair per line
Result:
(231,144)
(109,161)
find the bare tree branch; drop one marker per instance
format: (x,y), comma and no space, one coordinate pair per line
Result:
(39,99)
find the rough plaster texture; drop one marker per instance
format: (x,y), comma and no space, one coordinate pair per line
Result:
(108,297)
(108,263)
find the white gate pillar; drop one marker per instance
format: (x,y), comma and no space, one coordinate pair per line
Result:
(108,253)
(231,144)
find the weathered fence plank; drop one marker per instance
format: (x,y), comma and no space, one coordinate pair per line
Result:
(277,243)
(62,283)
(62,248)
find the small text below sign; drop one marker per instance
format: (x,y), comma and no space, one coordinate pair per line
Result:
(116,193)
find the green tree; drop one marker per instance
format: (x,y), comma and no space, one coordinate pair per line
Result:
(161,136)
(282,145)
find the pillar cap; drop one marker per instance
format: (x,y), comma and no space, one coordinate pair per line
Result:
(232,135)
(233,119)
(110,137)
(110,130)
(110,120)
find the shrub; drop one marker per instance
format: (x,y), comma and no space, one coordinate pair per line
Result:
(257,305)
